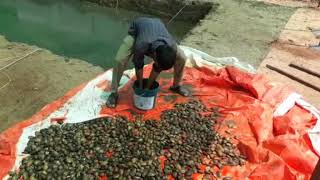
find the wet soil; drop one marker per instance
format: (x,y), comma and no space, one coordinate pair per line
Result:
(35,81)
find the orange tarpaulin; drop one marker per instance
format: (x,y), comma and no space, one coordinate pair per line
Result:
(277,147)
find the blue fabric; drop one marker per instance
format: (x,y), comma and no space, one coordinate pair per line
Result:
(149,33)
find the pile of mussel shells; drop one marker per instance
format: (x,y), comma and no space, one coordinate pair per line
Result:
(121,149)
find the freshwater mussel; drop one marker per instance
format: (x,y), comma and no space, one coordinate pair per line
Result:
(122,149)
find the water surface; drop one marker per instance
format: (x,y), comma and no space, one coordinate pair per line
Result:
(72,29)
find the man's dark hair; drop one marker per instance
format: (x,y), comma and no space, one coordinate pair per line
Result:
(165,57)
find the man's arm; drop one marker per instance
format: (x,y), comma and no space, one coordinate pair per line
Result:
(152,77)
(138,61)
(139,75)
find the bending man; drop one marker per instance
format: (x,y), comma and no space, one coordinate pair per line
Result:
(148,37)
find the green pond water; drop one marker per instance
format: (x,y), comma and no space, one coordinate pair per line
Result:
(73,28)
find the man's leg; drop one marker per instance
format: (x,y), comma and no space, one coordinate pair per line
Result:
(117,73)
(123,57)
(178,72)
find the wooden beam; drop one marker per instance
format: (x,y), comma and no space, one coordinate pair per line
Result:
(295,77)
(312,65)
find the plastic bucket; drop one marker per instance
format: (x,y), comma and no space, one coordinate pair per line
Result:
(145,99)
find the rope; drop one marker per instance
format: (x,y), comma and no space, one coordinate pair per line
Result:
(9,80)
(176,14)
(19,59)
(10,64)
(8,58)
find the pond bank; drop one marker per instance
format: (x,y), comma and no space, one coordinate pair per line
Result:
(36,80)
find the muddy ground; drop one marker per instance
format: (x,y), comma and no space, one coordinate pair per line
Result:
(36,80)
(240,28)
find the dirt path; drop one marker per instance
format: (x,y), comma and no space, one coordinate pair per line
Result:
(36,80)
(242,29)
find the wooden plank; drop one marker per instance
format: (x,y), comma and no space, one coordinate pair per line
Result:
(305,69)
(296,75)
(313,65)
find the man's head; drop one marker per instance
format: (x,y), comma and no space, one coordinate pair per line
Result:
(165,57)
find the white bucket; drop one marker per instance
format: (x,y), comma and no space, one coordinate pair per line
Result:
(145,99)
(144,103)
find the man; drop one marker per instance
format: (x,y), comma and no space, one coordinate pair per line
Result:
(148,37)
